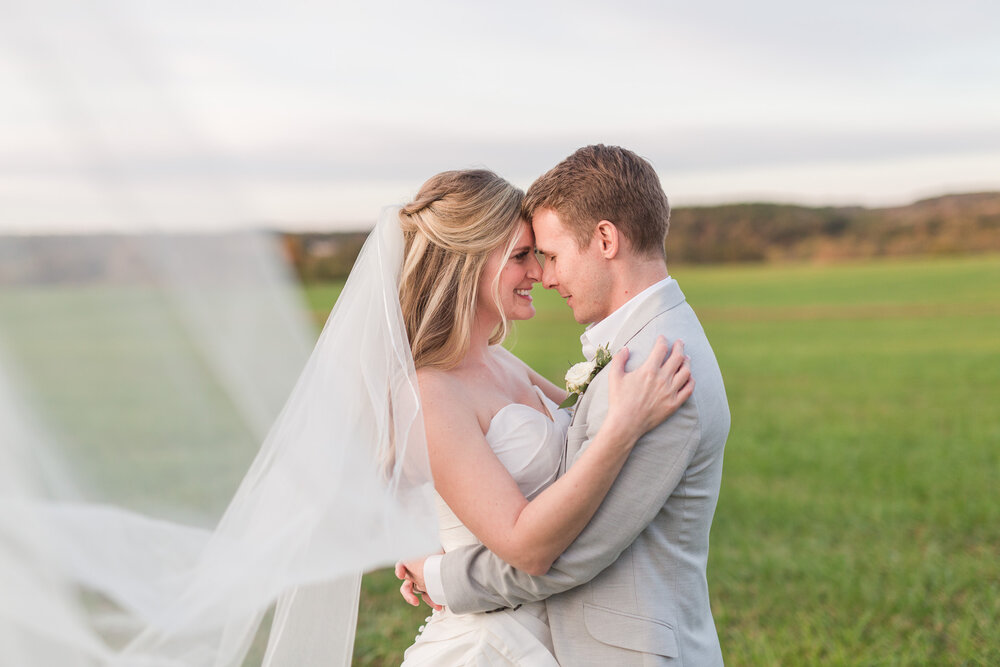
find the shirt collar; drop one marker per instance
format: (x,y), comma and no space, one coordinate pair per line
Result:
(603,332)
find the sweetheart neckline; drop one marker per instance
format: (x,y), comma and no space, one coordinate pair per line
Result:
(550,417)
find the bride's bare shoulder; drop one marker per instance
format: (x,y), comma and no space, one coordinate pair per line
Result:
(508,358)
(447,403)
(439,387)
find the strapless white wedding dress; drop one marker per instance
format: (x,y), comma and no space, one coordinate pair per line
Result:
(529,444)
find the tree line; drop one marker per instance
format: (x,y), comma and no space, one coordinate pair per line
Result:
(759,232)
(952,224)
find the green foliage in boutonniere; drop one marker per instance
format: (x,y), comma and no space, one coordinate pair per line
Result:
(579,375)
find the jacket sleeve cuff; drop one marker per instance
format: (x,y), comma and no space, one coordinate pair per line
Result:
(432,579)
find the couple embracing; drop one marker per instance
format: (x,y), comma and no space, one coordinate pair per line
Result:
(571,536)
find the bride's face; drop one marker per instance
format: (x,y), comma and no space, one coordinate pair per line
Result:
(520,271)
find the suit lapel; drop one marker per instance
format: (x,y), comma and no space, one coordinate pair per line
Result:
(658,303)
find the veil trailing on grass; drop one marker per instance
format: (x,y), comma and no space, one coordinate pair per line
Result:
(136,376)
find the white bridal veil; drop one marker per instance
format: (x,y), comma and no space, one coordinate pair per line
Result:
(176,467)
(124,409)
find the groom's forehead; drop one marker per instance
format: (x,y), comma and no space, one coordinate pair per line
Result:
(545,243)
(549,230)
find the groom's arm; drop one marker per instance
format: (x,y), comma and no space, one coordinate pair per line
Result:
(474,579)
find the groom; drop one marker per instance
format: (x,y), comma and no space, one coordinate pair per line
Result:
(632,588)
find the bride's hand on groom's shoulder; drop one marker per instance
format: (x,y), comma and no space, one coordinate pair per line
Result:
(413,588)
(643,398)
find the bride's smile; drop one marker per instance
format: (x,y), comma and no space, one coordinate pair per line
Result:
(520,271)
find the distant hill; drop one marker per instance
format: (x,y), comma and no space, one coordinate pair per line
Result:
(319,256)
(950,224)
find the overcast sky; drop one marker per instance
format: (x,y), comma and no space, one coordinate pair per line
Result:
(315,114)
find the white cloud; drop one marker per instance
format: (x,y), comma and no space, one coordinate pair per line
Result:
(318,109)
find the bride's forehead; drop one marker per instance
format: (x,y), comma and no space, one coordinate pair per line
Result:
(525,234)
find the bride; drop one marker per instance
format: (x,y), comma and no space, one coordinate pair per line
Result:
(406,370)
(495,433)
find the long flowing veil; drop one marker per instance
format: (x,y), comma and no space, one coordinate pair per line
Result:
(118,403)
(176,467)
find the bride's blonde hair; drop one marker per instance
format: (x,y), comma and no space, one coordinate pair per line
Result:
(457,219)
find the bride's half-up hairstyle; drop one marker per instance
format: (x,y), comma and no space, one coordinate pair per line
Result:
(457,219)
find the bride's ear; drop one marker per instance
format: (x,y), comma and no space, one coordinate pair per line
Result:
(609,238)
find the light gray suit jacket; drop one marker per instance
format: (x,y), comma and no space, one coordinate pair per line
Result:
(632,588)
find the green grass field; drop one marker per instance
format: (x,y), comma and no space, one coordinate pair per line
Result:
(858,520)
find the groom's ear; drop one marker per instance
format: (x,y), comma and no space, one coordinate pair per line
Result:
(609,239)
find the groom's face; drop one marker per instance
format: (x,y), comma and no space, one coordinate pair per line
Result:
(580,275)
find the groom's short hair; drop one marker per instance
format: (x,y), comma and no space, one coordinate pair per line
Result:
(605,183)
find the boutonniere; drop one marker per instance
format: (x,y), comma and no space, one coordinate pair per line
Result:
(579,375)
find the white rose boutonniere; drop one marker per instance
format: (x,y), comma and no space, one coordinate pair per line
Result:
(579,375)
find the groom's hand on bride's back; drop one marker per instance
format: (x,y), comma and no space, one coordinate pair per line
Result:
(413,588)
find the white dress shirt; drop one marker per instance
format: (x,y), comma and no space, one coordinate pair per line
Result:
(603,332)
(594,336)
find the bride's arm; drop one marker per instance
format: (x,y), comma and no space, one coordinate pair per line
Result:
(483,495)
